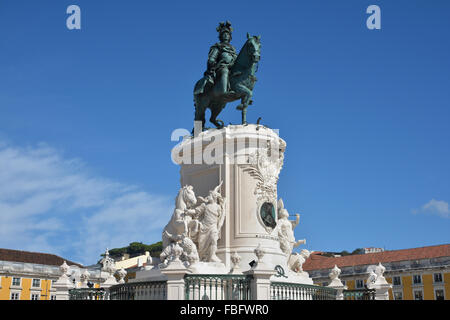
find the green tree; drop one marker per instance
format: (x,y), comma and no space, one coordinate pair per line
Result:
(358,251)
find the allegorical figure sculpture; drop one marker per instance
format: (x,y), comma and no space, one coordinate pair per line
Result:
(194,227)
(211,214)
(228,76)
(286,230)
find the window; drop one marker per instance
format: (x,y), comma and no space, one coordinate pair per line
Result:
(439,294)
(34,296)
(15,296)
(396,281)
(324,284)
(16,282)
(418,295)
(359,283)
(36,283)
(398,295)
(437,277)
(417,279)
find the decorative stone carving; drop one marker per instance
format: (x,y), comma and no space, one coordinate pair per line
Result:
(84,277)
(296,260)
(190,253)
(235,260)
(177,251)
(259,252)
(286,230)
(121,273)
(64,268)
(335,272)
(379,271)
(377,281)
(372,277)
(376,275)
(334,277)
(265,168)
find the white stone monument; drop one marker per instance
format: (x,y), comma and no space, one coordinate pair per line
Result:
(228,206)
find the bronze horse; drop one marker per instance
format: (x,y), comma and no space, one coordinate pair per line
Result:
(242,81)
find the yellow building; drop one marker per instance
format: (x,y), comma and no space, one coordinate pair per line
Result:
(416,274)
(29,275)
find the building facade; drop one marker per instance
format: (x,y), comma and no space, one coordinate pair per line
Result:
(30,275)
(415,274)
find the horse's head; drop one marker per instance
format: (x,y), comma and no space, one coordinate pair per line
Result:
(189,197)
(253,45)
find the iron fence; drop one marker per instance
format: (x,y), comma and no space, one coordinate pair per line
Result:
(217,287)
(359,294)
(87,294)
(149,290)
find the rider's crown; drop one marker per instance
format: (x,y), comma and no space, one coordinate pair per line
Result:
(224,27)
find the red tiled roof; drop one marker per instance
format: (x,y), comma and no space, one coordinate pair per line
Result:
(317,262)
(33,257)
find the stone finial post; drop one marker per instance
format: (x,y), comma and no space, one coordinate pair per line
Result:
(84,277)
(63,284)
(260,273)
(336,283)
(379,283)
(175,272)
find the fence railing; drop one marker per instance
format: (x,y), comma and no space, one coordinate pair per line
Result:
(87,294)
(295,291)
(359,294)
(149,290)
(217,287)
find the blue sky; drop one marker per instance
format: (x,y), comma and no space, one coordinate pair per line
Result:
(86,118)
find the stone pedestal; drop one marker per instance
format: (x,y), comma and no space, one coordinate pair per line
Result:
(175,273)
(339,287)
(382,291)
(248,159)
(62,287)
(260,285)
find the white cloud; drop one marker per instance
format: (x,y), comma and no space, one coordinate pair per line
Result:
(437,207)
(56,205)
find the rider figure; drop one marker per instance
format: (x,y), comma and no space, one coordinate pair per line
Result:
(221,58)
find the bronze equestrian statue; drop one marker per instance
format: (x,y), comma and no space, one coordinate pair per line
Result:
(228,77)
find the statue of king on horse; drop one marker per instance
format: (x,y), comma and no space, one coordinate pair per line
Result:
(228,76)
